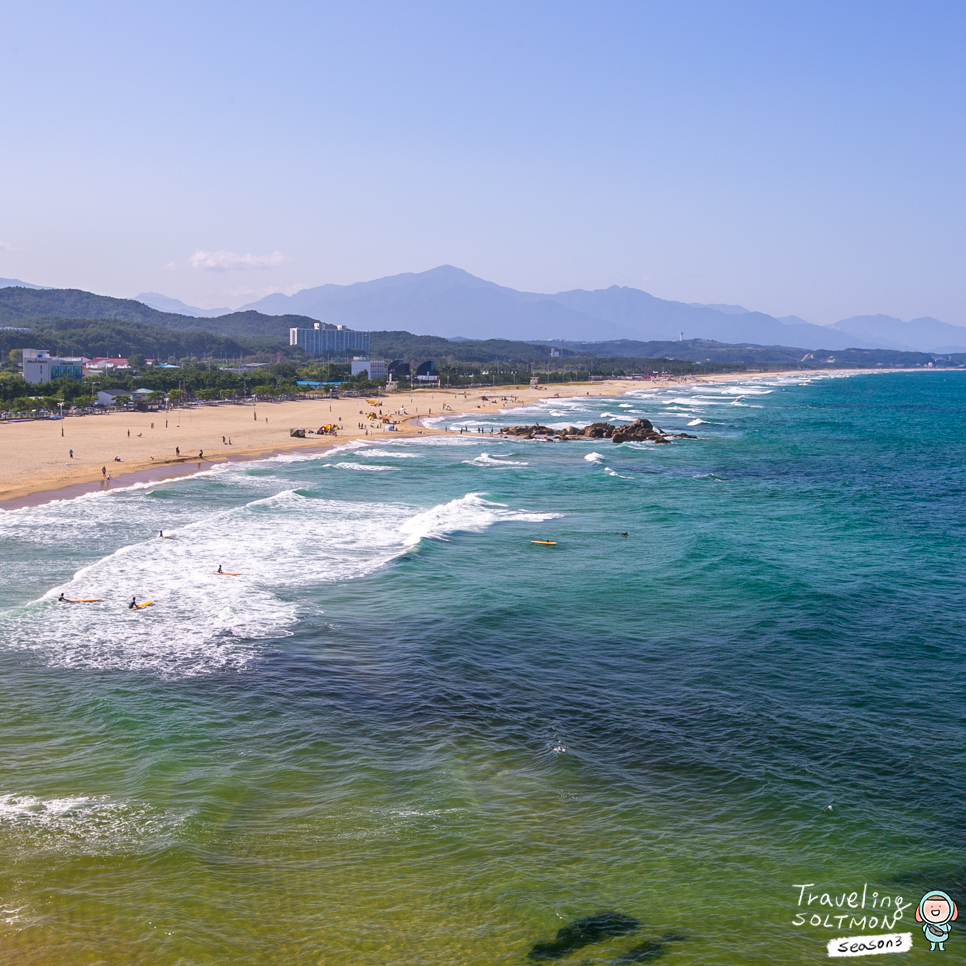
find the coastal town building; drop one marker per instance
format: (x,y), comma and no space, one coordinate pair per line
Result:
(376,368)
(329,340)
(426,373)
(40,366)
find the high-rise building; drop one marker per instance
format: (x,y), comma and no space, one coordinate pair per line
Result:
(329,340)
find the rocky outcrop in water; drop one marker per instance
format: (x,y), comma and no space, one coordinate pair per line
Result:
(641,430)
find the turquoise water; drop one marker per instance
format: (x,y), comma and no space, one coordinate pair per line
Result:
(407,735)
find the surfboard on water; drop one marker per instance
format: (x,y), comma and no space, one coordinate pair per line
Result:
(545,543)
(226,573)
(147,603)
(81,600)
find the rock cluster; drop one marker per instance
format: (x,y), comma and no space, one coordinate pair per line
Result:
(641,430)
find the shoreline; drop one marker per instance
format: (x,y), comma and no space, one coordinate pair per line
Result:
(37,488)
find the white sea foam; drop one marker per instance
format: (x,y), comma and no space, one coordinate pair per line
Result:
(201,622)
(696,422)
(484,459)
(84,824)
(594,458)
(469,514)
(388,454)
(364,467)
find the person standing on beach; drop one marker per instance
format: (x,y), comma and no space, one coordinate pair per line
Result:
(103,471)
(177,451)
(70,453)
(201,454)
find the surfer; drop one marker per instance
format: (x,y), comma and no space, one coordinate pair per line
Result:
(161,533)
(134,603)
(62,598)
(220,570)
(617,533)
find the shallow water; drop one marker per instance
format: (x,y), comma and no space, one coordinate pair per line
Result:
(404,734)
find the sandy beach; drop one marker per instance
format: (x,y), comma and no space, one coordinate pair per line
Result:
(118,448)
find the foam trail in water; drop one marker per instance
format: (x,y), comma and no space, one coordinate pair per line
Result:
(484,459)
(364,467)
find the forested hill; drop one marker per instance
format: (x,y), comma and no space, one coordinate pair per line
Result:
(30,307)
(115,337)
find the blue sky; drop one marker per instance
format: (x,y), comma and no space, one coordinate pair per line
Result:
(802,158)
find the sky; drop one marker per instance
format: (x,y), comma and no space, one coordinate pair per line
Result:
(800,158)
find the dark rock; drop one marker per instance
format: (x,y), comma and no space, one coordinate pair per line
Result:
(529,432)
(638,431)
(641,430)
(641,954)
(583,932)
(598,431)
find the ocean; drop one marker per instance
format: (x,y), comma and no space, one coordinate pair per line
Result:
(405,734)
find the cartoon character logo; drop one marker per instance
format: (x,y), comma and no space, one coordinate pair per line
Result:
(936,911)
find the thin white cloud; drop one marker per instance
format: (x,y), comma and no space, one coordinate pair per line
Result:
(171,267)
(6,247)
(222,261)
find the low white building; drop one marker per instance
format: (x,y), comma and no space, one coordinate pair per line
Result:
(375,367)
(107,397)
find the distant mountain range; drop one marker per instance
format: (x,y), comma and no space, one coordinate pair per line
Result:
(165,304)
(15,282)
(451,303)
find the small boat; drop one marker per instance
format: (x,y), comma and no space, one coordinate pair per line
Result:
(545,543)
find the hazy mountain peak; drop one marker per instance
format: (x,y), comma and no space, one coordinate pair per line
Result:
(448,301)
(16,283)
(923,334)
(721,307)
(164,303)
